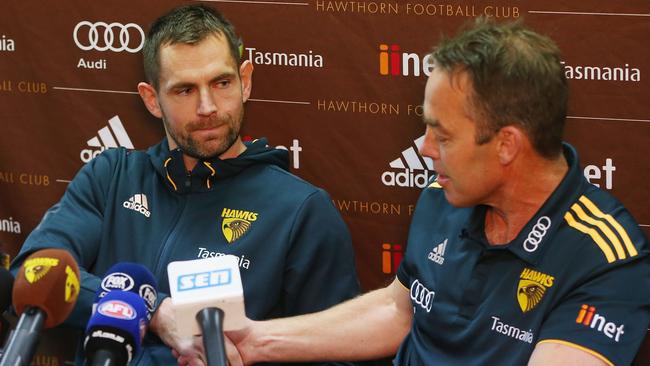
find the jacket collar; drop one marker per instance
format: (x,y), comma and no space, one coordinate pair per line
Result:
(170,166)
(531,243)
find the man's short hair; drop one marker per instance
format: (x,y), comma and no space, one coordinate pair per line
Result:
(517,79)
(188,24)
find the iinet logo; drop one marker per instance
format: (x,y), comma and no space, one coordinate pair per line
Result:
(106,140)
(391,257)
(588,316)
(394,62)
(410,169)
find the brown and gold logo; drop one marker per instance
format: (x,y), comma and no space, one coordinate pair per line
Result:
(71,285)
(36,268)
(236,223)
(532,287)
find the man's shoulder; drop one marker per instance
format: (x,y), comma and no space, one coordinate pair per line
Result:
(284,181)
(601,231)
(434,213)
(115,164)
(115,156)
(432,198)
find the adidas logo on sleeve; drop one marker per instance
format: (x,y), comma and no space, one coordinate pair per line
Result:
(138,203)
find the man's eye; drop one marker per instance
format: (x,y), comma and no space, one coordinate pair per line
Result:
(184,91)
(223,84)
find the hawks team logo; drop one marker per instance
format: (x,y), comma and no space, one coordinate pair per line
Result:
(235,223)
(71,285)
(36,268)
(532,287)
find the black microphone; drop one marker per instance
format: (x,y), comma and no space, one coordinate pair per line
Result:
(44,293)
(211,321)
(6,285)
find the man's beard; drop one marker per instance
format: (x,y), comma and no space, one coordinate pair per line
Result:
(198,150)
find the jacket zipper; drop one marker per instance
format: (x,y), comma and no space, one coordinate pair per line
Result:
(171,235)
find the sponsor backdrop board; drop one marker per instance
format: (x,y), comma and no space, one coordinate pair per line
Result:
(337,83)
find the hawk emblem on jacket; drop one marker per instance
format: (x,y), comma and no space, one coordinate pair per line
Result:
(234,228)
(532,287)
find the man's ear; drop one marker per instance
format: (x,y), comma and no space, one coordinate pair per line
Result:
(150,98)
(246,75)
(510,143)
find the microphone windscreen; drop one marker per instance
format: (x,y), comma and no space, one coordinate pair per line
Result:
(118,325)
(132,277)
(6,284)
(47,280)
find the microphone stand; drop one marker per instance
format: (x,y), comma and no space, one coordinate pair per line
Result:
(211,322)
(24,339)
(103,358)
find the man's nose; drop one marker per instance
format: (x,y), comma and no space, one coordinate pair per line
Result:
(429,148)
(207,105)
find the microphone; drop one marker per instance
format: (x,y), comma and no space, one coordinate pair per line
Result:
(202,291)
(131,277)
(6,285)
(44,293)
(115,330)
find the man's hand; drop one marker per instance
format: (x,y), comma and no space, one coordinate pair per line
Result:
(188,351)
(239,345)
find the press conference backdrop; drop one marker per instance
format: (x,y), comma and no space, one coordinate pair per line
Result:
(337,83)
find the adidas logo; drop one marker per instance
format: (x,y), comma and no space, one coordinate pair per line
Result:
(415,170)
(437,254)
(138,203)
(106,140)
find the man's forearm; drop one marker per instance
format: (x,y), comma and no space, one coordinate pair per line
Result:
(369,326)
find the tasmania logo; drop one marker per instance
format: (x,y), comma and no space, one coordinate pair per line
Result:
(37,268)
(532,287)
(236,223)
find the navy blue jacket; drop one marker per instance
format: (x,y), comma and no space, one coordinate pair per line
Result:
(295,250)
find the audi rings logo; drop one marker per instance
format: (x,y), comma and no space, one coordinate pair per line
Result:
(114,37)
(422,295)
(535,236)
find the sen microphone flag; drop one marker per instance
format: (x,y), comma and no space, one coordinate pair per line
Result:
(203,283)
